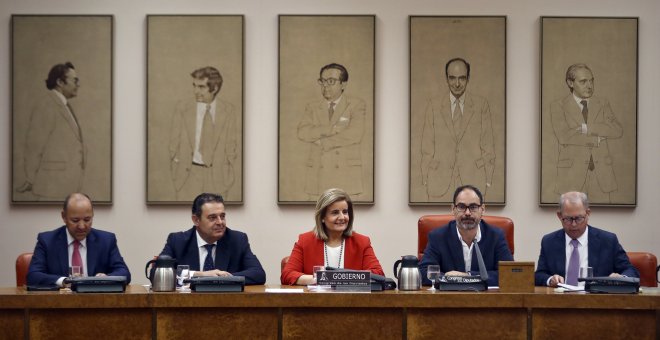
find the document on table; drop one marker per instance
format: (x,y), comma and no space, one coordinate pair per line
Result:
(571,288)
(284,290)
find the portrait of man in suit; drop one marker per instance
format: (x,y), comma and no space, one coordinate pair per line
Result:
(583,123)
(326,107)
(204,137)
(589,91)
(55,154)
(457,144)
(333,128)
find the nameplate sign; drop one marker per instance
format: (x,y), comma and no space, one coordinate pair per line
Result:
(344,278)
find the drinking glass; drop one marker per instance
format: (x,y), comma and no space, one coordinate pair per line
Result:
(316,269)
(586,272)
(432,273)
(75,271)
(182,273)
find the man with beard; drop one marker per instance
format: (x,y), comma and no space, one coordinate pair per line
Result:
(212,249)
(452,246)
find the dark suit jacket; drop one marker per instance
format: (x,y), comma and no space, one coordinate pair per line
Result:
(51,259)
(308,252)
(444,248)
(232,254)
(606,256)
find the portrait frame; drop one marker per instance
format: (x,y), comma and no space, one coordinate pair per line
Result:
(590,148)
(176,170)
(319,147)
(55,110)
(446,152)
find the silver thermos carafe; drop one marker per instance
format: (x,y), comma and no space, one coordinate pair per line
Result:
(408,275)
(163,278)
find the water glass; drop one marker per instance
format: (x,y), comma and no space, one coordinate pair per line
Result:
(432,273)
(586,272)
(182,273)
(75,271)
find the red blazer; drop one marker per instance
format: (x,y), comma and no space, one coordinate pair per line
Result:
(308,252)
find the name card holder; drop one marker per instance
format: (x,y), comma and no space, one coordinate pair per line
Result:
(345,280)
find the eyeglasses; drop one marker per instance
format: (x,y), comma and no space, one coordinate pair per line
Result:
(328,82)
(576,219)
(462,207)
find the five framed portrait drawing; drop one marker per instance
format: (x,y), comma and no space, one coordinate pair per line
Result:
(326,105)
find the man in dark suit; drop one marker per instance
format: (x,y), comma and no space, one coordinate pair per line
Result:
(333,127)
(452,246)
(75,244)
(212,249)
(204,140)
(579,245)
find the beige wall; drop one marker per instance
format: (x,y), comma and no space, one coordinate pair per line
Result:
(391,223)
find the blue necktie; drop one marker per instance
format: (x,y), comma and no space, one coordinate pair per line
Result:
(573,265)
(208,262)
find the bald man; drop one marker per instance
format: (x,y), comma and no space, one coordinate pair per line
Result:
(75,243)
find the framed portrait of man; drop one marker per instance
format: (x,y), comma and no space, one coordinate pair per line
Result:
(326,107)
(457,107)
(195,82)
(61,107)
(588,139)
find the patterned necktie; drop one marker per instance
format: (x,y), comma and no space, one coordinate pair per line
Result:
(573,265)
(331,110)
(76,259)
(585,114)
(206,139)
(208,262)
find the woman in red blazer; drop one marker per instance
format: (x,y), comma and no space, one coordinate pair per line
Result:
(332,242)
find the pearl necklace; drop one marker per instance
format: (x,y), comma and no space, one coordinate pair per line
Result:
(325,252)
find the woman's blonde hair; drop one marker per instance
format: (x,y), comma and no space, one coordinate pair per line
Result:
(328,198)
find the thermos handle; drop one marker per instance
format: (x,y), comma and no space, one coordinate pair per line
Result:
(396,264)
(146,273)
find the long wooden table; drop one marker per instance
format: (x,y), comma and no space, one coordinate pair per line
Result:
(257,314)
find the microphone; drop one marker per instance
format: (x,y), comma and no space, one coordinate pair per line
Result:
(480,260)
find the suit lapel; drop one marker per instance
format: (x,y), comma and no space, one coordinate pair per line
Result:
(339,110)
(560,246)
(222,252)
(190,121)
(445,111)
(574,110)
(219,123)
(594,250)
(62,251)
(92,253)
(456,248)
(192,253)
(595,108)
